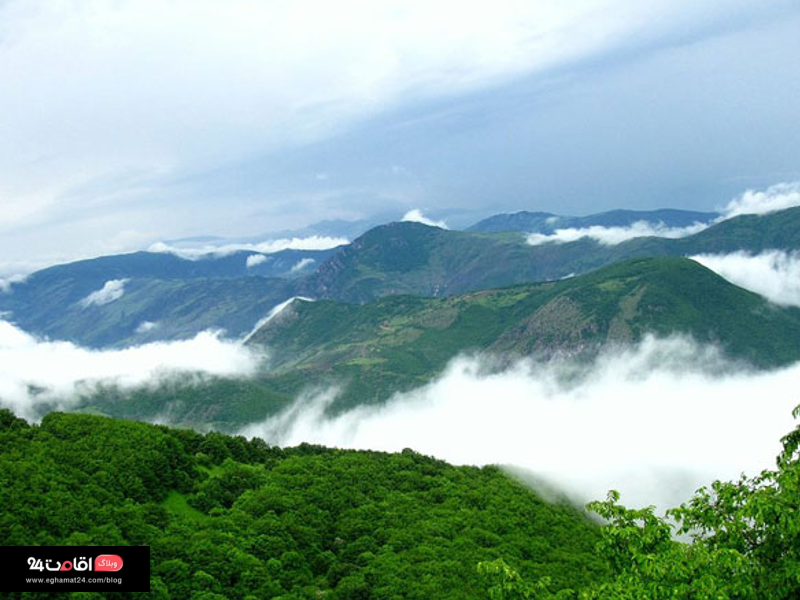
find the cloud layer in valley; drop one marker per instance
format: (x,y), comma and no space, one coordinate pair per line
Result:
(774,274)
(35,373)
(656,421)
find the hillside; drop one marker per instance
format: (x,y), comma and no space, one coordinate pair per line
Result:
(401,342)
(409,258)
(542,222)
(173,308)
(226,516)
(164,265)
(185,297)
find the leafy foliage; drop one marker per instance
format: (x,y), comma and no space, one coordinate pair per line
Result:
(744,544)
(230,518)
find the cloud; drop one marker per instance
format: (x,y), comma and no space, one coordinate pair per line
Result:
(255,259)
(221,81)
(35,373)
(416,216)
(146,326)
(220,103)
(314,242)
(276,310)
(774,274)
(111,291)
(777,197)
(655,421)
(302,264)
(611,236)
(7,282)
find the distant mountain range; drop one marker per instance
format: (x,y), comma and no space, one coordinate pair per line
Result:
(162,296)
(543,222)
(410,258)
(400,342)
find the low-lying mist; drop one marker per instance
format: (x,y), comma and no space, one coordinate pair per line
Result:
(36,373)
(655,421)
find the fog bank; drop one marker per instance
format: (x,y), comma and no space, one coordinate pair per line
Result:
(655,421)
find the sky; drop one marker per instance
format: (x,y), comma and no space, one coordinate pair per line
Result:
(125,123)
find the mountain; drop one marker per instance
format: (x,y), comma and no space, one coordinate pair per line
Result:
(398,343)
(542,222)
(398,258)
(164,265)
(410,258)
(178,297)
(332,228)
(225,517)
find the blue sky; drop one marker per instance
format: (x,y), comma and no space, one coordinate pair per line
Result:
(122,123)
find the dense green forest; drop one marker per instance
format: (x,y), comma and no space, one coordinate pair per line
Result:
(744,544)
(230,518)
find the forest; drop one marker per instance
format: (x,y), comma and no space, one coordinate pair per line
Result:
(227,517)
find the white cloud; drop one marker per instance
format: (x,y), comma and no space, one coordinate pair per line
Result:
(656,421)
(281,76)
(611,236)
(314,242)
(302,264)
(111,291)
(146,326)
(774,274)
(276,310)
(416,216)
(35,372)
(7,282)
(777,197)
(255,259)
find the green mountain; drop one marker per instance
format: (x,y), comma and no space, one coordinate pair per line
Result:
(400,342)
(149,309)
(542,222)
(180,297)
(410,258)
(229,518)
(185,297)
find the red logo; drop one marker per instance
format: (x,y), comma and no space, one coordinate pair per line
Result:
(108,562)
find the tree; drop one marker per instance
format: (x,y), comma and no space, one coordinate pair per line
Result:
(745,540)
